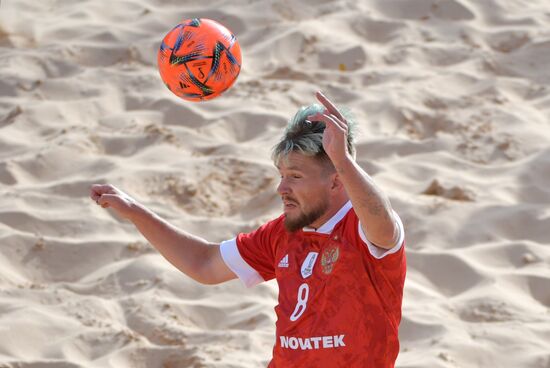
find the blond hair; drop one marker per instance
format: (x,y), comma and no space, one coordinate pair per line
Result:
(306,137)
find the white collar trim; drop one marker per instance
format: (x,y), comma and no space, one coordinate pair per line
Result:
(328,226)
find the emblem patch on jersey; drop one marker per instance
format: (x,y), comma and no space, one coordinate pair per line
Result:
(307,266)
(284,261)
(329,258)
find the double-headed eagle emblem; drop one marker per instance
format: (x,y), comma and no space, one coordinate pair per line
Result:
(329,258)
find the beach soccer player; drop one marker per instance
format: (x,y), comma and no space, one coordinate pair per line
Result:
(337,252)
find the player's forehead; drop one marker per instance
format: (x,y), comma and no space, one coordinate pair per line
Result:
(296,161)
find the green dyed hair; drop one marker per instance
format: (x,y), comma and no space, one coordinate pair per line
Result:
(306,137)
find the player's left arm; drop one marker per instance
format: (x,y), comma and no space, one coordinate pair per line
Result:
(371,205)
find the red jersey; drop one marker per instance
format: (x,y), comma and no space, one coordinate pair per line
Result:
(339,295)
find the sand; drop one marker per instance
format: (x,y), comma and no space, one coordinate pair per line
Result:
(452,100)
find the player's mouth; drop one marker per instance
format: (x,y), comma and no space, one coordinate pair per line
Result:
(289,204)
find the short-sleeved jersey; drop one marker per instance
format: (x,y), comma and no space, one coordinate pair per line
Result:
(339,295)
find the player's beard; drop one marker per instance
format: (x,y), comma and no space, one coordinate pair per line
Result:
(306,218)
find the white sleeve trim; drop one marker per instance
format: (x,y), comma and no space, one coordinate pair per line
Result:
(378,252)
(233,259)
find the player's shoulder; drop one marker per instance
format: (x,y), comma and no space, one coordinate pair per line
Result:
(275,226)
(276,223)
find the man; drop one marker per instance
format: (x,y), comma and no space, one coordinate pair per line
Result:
(337,252)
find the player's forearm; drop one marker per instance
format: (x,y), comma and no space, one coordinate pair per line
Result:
(369,202)
(186,252)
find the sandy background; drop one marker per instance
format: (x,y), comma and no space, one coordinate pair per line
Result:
(453,103)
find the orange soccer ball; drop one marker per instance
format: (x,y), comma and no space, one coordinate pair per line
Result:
(199,59)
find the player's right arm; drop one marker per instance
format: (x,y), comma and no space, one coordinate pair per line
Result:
(197,258)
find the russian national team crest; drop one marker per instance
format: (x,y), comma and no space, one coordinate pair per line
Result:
(329,258)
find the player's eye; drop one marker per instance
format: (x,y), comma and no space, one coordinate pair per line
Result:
(290,176)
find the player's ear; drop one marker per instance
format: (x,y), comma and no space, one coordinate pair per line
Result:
(336,183)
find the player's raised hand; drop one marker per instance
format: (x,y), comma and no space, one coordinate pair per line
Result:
(335,135)
(107,195)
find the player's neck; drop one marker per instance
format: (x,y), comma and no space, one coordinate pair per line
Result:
(334,207)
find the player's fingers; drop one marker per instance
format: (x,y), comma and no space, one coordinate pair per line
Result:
(329,120)
(337,122)
(341,122)
(322,118)
(96,190)
(329,105)
(94,193)
(104,188)
(94,196)
(109,200)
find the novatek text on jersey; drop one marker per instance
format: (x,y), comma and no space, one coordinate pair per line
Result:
(306,343)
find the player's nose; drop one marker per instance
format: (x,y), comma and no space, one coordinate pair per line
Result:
(283,188)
